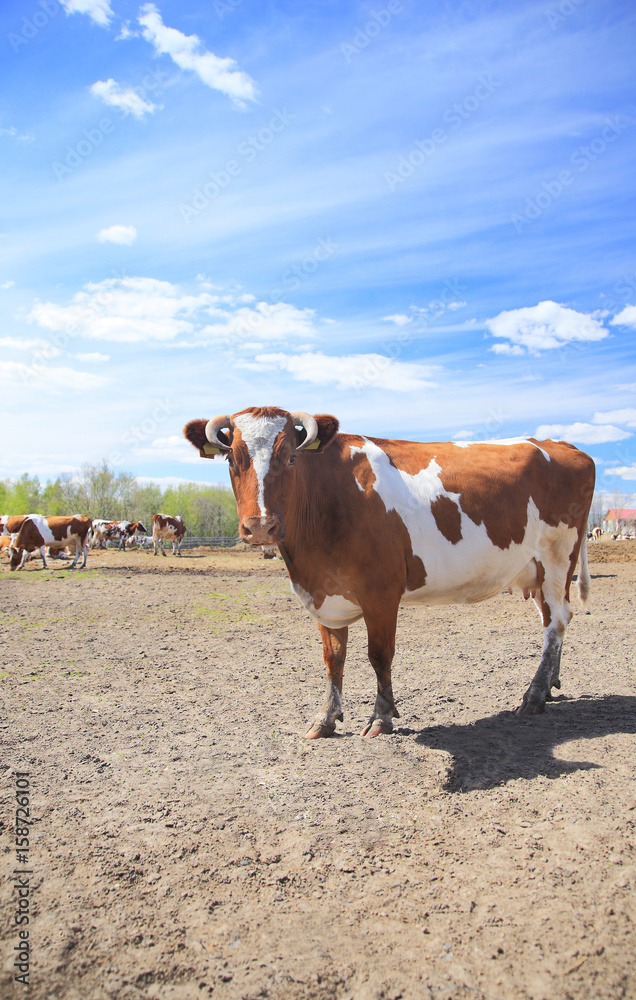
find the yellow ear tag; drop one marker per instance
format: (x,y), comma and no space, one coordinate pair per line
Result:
(314,444)
(211,449)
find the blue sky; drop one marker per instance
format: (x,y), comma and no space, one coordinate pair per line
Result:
(417,217)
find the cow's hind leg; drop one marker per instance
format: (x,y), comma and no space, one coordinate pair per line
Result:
(381,649)
(552,601)
(77,552)
(334,650)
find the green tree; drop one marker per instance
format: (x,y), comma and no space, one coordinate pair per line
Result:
(101,492)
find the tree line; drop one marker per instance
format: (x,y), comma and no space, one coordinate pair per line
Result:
(101,492)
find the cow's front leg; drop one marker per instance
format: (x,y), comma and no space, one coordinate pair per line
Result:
(381,649)
(334,650)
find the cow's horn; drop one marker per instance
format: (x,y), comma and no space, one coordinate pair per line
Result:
(212,429)
(311,427)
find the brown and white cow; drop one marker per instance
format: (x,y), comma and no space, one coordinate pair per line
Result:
(168,528)
(126,531)
(54,533)
(109,531)
(100,533)
(366,524)
(597,534)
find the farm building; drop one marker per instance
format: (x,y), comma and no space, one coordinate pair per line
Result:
(621,520)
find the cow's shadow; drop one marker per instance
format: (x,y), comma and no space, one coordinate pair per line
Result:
(502,747)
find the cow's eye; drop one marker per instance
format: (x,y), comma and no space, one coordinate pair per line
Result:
(230,460)
(292,459)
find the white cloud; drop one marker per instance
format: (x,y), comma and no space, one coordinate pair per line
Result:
(624,471)
(7,284)
(398,318)
(625,416)
(627,317)
(15,344)
(93,358)
(127,310)
(456,305)
(126,235)
(356,371)
(463,435)
(544,327)
(98,10)
(278,322)
(218,73)
(511,349)
(13,132)
(581,433)
(137,309)
(48,377)
(112,93)
(174,448)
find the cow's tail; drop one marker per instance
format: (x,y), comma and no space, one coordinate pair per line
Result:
(583,580)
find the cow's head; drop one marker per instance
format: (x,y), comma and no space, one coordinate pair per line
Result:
(261,445)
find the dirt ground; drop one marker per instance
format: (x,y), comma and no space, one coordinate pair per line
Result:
(187,842)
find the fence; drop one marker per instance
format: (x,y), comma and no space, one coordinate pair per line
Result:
(190,542)
(222,541)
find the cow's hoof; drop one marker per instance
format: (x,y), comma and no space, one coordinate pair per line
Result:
(377,727)
(530,708)
(320,729)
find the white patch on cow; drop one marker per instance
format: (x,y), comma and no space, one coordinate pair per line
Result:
(259,435)
(42,525)
(503,442)
(334,612)
(472,569)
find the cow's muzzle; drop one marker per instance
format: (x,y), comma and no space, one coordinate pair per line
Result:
(261,530)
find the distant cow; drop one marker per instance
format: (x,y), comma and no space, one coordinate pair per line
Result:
(100,533)
(365,524)
(54,533)
(596,534)
(112,531)
(126,531)
(168,528)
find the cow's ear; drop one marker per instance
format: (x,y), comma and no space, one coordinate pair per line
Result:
(195,433)
(327,430)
